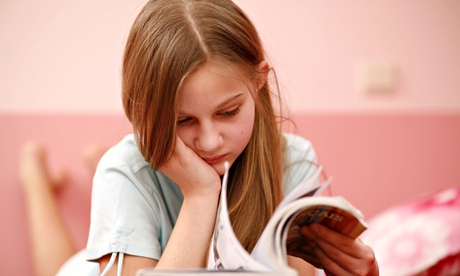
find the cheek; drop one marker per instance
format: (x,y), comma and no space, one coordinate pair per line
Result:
(243,131)
(185,136)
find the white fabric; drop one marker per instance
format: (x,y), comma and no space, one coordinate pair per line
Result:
(78,266)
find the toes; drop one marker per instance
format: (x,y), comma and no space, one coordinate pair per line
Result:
(34,168)
(92,154)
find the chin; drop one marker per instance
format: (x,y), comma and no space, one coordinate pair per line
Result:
(220,167)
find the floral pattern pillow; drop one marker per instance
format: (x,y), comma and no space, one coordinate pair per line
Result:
(418,237)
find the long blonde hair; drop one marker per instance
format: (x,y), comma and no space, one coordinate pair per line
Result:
(169,40)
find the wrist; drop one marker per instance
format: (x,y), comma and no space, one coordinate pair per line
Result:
(204,192)
(203,200)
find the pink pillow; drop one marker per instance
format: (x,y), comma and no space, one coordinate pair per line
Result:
(418,237)
(449,266)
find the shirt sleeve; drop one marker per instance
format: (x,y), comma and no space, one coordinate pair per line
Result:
(300,162)
(123,214)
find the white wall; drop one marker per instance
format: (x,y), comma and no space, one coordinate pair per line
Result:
(65,56)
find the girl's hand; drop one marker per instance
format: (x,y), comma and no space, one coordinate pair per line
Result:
(340,254)
(192,174)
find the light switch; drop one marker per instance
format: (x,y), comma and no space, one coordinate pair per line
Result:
(376,77)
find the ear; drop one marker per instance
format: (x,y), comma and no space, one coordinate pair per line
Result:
(262,74)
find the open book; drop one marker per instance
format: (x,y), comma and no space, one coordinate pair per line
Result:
(302,206)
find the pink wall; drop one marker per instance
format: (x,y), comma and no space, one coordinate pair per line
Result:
(376,161)
(64,56)
(380,160)
(317,45)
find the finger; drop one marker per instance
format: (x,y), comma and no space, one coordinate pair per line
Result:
(191,173)
(330,267)
(350,255)
(330,240)
(335,260)
(307,233)
(309,237)
(340,241)
(330,257)
(178,160)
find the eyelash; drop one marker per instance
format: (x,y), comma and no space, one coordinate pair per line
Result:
(230,113)
(183,121)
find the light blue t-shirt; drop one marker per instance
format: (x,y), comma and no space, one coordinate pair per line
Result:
(134,208)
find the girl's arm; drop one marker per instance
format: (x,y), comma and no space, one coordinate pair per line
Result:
(190,239)
(200,184)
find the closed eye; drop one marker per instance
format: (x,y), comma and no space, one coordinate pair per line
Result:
(230,113)
(183,121)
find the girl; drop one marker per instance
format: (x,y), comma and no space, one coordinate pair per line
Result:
(195,90)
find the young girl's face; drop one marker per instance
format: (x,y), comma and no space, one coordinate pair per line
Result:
(216,114)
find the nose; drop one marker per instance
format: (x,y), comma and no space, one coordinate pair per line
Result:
(209,138)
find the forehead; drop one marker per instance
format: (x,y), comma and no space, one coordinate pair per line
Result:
(211,82)
(216,69)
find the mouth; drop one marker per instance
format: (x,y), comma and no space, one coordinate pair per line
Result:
(214,159)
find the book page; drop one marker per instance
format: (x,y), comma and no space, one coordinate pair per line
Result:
(226,250)
(305,189)
(271,247)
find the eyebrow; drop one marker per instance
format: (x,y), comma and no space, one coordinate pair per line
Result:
(229,100)
(222,104)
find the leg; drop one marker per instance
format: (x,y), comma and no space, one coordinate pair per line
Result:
(51,241)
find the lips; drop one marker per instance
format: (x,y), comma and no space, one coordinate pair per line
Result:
(214,159)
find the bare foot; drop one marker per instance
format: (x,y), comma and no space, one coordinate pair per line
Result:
(33,168)
(91,155)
